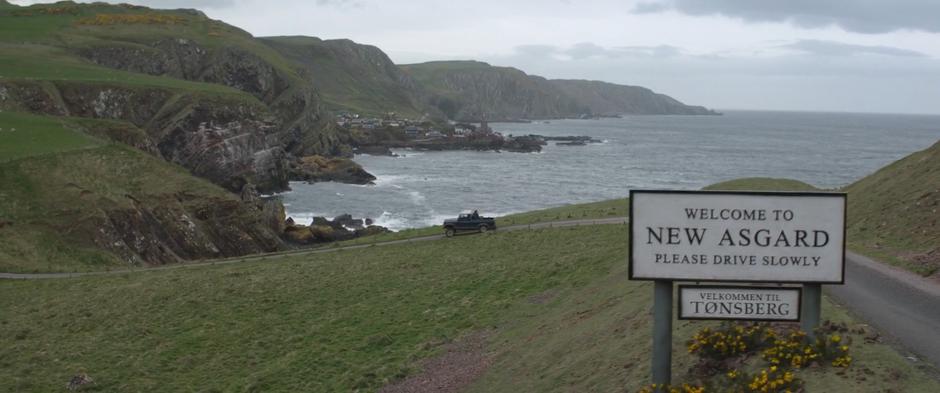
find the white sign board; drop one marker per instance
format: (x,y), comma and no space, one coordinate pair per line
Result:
(735,302)
(737,236)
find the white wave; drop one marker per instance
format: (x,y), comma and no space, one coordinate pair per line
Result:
(304,218)
(391,180)
(416,197)
(407,153)
(394,222)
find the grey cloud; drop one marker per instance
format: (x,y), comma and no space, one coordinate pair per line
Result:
(536,50)
(659,51)
(831,48)
(339,3)
(585,50)
(860,16)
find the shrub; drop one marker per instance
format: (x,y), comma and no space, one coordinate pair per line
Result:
(132,19)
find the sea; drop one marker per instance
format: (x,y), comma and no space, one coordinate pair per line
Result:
(422,188)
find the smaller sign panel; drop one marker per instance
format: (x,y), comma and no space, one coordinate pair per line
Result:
(739,302)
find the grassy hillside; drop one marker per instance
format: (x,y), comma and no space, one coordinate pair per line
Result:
(72,201)
(466,90)
(23,135)
(351,76)
(894,212)
(555,305)
(761,184)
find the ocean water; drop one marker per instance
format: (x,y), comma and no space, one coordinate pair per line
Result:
(418,188)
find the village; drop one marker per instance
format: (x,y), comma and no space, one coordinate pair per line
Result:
(378,135)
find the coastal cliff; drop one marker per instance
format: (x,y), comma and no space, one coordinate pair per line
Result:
(469,90)
(353,77)
(209,96)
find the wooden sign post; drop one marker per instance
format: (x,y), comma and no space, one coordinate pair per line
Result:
(750,237)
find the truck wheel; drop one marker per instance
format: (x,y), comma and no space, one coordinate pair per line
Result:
(483,228)
(449,232)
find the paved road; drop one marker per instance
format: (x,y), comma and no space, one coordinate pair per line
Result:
(898,303)
(277,255)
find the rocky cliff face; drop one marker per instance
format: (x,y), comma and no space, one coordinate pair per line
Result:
(183,227)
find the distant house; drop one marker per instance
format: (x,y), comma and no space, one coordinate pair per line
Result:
(413,131)
(435,134)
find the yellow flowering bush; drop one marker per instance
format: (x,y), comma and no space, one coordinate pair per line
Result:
(730,340)
(784,351)
(132,19)
(774,379)
(797,351)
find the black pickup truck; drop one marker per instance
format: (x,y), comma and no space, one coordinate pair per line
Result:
(468,221)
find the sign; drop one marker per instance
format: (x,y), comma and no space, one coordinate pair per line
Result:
(737,236)
(737,302)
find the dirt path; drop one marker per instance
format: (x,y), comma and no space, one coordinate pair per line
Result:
(461,363)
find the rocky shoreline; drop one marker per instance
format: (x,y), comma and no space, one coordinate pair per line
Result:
(321,230)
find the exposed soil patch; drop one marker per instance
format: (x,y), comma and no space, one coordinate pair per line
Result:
(544,297)
(462,362)
(930,260)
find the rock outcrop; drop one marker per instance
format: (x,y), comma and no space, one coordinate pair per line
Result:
(321,230)
(320,168)
(172,231)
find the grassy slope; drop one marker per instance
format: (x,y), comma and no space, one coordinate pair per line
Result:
(761,184)
(36,43)
(894,212)
(346,81)
(44,194)
(355,320)
(23,135)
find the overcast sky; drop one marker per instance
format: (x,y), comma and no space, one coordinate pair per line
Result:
(822,55)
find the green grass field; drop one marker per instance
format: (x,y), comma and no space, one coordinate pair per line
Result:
(357,320)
